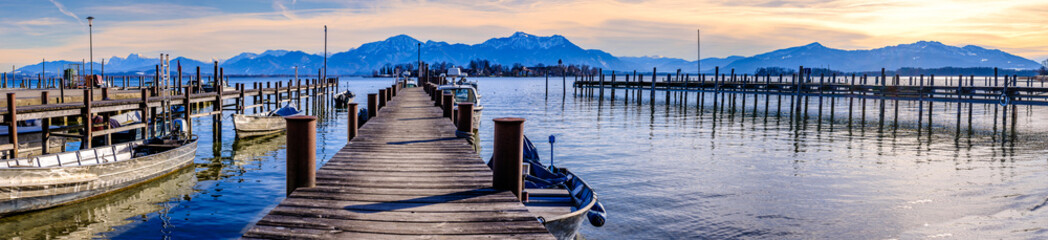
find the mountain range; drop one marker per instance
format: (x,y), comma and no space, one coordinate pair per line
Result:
(531,50)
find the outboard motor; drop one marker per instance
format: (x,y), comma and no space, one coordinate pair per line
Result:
(179,127)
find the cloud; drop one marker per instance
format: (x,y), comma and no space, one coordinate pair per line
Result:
(47,21)
(278,5)
(622,27)
(61,8)
(150,11)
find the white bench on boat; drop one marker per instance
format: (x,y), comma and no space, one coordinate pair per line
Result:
(99,155)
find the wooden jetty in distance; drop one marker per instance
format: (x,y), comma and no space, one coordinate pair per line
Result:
(728,92)
(154,101)
(403,174)
(978,89)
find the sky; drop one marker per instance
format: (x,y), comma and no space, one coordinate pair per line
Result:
(32,30)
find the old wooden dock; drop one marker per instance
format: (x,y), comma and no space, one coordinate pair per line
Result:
(405,175)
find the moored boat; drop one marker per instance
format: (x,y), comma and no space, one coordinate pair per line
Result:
(457,73)
(560,198)
(45,181)
(465,93)
(263,123)
(405,80)
(343,98)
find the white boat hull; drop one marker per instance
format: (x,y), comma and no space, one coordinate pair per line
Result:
(26,187)
(254,125)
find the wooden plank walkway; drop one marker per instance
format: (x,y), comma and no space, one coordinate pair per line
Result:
(405,175)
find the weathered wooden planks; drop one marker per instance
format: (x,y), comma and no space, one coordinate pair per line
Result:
(404,176)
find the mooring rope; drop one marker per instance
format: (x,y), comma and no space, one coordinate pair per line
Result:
(467,135)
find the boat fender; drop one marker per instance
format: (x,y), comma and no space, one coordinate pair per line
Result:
(597,216)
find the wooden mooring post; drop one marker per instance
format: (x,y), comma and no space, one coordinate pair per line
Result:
(301,152)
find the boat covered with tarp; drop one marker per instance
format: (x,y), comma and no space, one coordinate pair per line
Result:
(264,123)
(39,182)
(343,98)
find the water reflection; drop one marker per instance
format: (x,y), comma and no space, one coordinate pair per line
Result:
(735,168)
(95,217)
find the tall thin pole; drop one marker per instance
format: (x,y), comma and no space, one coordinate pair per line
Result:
(698,51)
(325,53)
(91,42)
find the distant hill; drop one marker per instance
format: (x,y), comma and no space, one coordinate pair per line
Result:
(667,64)
(531,50)
(921,54)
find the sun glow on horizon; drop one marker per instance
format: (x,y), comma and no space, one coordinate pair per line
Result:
(206,30)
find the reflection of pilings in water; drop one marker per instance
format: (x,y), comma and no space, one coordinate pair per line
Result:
(726,91)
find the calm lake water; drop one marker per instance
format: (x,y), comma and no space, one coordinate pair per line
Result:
(663,171)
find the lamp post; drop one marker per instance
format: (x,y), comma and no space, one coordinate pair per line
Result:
(91,42)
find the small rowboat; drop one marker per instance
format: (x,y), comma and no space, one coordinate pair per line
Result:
(263,123)
(40,182)
(561,200)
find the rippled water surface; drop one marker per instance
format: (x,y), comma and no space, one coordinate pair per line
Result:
(663,171)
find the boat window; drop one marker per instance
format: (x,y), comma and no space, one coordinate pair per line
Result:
(463,95)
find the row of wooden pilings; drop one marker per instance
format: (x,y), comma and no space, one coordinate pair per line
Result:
(507,146)
(301,136)
(800,88)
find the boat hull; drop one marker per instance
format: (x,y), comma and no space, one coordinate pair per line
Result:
(27,189)
(566,228)
(250,125)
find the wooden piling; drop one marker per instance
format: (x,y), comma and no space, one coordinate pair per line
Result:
(447,102)
(381,98)
(352,121)
(187,115)
(301,152)
(45,125)
(465,117)
(12,125)
(372,105)
(507,155)
(87,122)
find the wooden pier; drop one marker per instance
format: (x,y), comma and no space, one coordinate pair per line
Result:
(936,98)
(1005,90)
(404,175)
(152,103)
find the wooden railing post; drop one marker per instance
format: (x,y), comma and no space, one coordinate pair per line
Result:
(508,155)
(352,121)
(301,152)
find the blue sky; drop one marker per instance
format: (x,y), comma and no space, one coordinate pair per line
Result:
(205,30)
